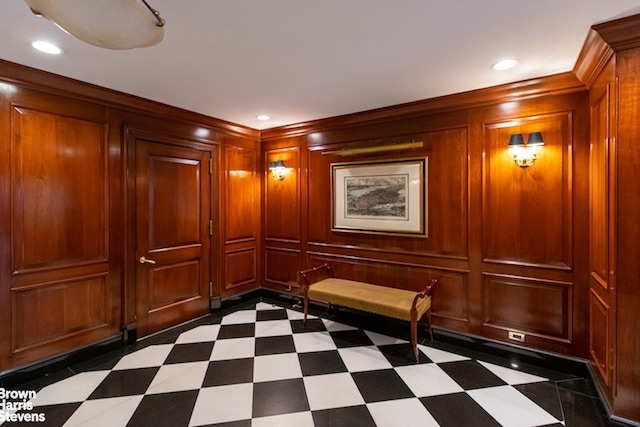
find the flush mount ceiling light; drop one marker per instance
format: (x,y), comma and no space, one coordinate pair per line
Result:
(111,24)
(505,64)
(263,117)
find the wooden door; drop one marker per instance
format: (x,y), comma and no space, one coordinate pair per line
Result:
(173,233)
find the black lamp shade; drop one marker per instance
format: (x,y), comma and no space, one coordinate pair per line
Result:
(535,138)
(516,140)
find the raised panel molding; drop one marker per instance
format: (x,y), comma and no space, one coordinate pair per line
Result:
(43,314)
(599,340)
(542,308)
(242,194)
(527,212)
(59,191)
(282,201)
(282,266)
(240,267)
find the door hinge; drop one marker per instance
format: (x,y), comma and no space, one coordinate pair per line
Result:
(210,227)
(210,166)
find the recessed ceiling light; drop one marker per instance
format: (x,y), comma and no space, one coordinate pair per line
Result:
(505,64)
(263,117)
(46,47)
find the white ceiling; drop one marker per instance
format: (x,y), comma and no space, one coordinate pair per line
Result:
(300,60)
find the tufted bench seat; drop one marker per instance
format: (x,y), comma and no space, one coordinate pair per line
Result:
(396,303)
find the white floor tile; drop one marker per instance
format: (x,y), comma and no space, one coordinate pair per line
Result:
(512,376)
(510,407)
(203,333)
(276,367)
(147,357)
(178,377)
(358,359)
(272,328)
(379,339)
(234,348)
(298,419)
(239,317)
(427,379)
(336,326)
(401,412)
(110,412)
(313,341)
(223,404)
(74,389)
(332,391)
(440,356)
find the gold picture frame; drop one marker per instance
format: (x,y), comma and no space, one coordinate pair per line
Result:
(381,197)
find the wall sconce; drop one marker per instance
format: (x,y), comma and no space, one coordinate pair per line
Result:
(524,155)
(278,170)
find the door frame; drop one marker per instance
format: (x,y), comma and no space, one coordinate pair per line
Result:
(132,134)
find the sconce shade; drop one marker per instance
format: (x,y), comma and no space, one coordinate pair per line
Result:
(277,164)
(278,169)
(516,140)
(535,138)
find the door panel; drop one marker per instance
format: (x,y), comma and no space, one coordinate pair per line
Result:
(173,188)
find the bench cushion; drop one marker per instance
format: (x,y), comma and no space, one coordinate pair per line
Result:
(375,299)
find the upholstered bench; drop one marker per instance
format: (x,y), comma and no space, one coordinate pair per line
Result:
(382,300)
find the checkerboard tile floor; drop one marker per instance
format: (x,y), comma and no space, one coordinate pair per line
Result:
(261,367)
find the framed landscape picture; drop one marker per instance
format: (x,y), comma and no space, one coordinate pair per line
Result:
(380,197)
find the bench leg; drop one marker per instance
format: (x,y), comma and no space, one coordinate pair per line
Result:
(306,310)
(414,336)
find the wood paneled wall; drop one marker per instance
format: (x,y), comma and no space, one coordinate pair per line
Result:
(508,244)
(610,66)
(67,209)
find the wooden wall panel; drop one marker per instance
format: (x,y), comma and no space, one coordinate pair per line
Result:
(52,311)
(447,193)
(278,271)
(599,339)
(282,202)
(536,307)
(486,216)
(527,212)
(242,199)
(59,190)
(63,289)
(241,267)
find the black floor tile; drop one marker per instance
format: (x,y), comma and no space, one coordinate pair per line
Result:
(237,331)
(126,382)
(470,374)
(402,354)
(279,314)
(581,410)
(456,410)
(313,325)
(194,352)
(279,397)
(351,338)
(545,395)
(164,410)
(321,362)
(352,416)
(385,384)
(274,345)
(225,372)
(54,416)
